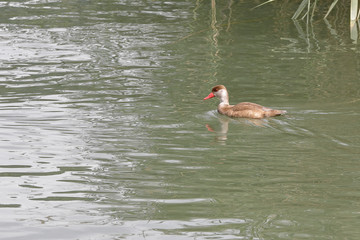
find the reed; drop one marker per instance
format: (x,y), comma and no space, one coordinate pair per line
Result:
(306,5)
(354,10)
(300,9)
(331,8)
(308,8)
(261,4)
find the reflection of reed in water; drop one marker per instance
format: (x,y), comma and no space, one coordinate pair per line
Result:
(308,8)
(213,23)
(309,13)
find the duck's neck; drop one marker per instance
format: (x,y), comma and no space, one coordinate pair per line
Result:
(224,99)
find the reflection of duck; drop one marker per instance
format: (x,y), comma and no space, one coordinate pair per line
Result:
(222,133)
(242,110)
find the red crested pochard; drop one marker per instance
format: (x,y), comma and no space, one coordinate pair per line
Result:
(241,110)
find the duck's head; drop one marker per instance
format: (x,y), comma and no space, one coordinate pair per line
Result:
(218,91)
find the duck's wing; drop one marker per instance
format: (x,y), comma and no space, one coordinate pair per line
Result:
(249,106)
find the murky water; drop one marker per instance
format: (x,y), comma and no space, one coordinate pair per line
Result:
(104,134)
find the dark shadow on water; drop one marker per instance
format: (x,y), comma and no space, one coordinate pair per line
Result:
(221,130)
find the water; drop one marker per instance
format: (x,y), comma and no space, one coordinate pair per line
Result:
(104,134)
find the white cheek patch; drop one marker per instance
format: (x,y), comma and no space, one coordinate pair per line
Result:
(221,92)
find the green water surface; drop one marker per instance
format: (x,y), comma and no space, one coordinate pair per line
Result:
(104,133)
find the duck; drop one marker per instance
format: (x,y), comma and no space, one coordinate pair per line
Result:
(243,109)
